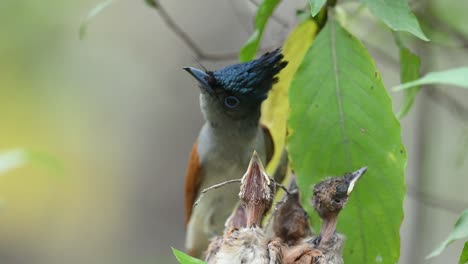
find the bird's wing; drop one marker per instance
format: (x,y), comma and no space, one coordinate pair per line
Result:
(192,182)
(269,144)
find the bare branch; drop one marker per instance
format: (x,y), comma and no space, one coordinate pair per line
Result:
(216,186)
(199,53)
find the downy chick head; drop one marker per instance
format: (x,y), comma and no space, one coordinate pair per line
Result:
(236,92)
(257,191)
(331,195)
(291,222)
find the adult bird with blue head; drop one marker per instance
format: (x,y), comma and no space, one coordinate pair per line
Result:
(230,101)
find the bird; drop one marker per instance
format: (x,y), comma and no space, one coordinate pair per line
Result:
(230,100)
(291,226)
(249,244)
(329,198)
(291,221)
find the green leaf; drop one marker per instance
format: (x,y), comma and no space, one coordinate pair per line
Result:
(409,71)
(264,12)
(460,231)
(456,77)
(341,120)
(316,6)
(152,3)
(184,258)
(397,15)
(464,255)
(91,14)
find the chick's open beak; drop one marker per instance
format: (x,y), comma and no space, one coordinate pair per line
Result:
(256,193)
(355,176)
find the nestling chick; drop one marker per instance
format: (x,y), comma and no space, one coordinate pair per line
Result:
(249,244)
(291,222)
(330,196)
(230,100)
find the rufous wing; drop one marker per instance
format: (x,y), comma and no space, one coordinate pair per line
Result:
(269,144)
(192,182)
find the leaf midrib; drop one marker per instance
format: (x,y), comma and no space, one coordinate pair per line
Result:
(343,129)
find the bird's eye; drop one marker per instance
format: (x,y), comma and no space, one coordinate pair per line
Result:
(231,102)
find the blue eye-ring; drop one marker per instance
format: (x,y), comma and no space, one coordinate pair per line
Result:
(231,102)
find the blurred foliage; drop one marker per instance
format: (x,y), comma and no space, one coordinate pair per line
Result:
(93,13)
(397,15)
(464,255)
(409,70)
(185,259)
(460,231)
(264,12)
(456,77)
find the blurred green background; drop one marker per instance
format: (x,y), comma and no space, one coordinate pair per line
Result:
(112,119)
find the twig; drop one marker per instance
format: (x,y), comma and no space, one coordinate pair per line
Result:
(216,186)
(199,53)
(281,186)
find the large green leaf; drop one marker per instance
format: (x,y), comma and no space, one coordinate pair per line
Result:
(457,77)
(460,231)
(316,6)
(464,255)
(91,14)
(397,15)
(184,258)
(341,120)
(264,12)
(409,71)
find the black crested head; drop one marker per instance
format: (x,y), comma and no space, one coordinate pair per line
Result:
(253,79)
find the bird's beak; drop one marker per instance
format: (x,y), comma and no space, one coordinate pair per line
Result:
(201,76)
(354,178)
(255,190)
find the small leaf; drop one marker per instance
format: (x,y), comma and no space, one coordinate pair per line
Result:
(464,255)
(152,3)
(460,231)
(316,6)
(184,258)
(397,15)
(456,77)
(91,14)
(409,71)
(264,12)
(275,109)
(342,119)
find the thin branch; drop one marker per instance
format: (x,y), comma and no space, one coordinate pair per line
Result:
(199,53)
(216,186)
(282,187)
